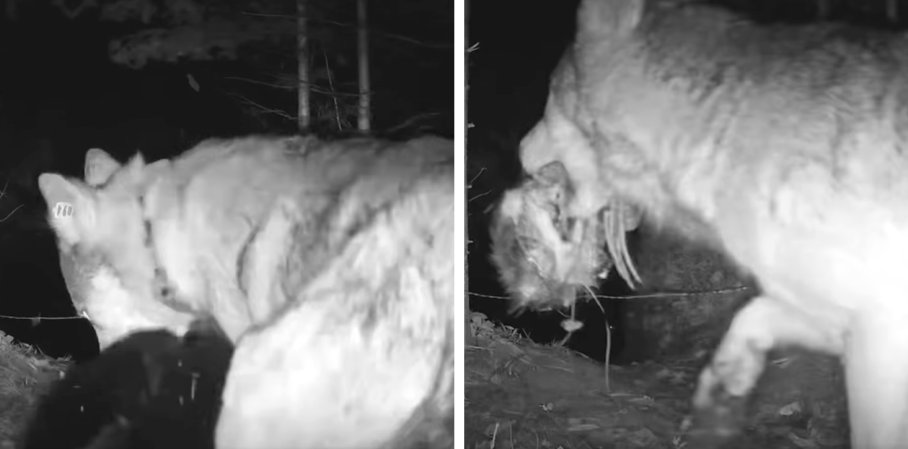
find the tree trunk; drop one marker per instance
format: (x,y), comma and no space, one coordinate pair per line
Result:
(364,120)
(467,330)
(823,9)
(11,11)
(892,11)
(303,118)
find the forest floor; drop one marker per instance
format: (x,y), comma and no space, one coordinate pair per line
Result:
(25,374)
(520,394)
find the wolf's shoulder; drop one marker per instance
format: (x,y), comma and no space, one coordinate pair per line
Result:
(244,177)
(246,158)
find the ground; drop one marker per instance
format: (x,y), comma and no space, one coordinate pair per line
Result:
(520,394)
(24,375)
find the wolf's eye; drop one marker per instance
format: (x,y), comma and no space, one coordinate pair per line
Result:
(165,292)
(555,213)
(565,227)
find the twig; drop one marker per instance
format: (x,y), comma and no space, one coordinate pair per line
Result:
(473,198)
(282,86)
(411,120)
(262,108)
(511,432)
(677,294)
(3,194)
(647,296)
(11,317)
(472,180)
(337,116)
(11,213)
(608,343)
(290,85)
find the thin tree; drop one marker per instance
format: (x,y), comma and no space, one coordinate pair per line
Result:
(279,82)
(823,9)
(364,118)
(303,118)
(892,10)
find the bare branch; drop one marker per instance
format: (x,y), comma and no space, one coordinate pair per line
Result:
(288,85)
(337,117)
(262,108)
(11,213)
(72,13)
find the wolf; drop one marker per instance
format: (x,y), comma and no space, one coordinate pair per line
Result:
(328,263)
(783,146)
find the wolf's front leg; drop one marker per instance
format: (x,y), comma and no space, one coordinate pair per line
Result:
(763,324)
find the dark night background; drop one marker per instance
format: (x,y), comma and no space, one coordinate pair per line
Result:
(517,45)
(61,93)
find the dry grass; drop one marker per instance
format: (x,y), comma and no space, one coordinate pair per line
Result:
(520,394)
(25,373)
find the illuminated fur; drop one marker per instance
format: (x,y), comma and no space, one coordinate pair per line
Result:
(330,264)
(784,146)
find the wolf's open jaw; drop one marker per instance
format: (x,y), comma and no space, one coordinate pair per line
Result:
(544,255)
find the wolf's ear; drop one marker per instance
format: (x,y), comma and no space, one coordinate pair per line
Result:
(99,166)
(70,206)
(137,174)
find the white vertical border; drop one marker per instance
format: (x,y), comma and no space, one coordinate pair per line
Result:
(460,157)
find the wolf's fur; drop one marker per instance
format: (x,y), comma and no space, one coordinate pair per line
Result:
(329,263)
(785,146)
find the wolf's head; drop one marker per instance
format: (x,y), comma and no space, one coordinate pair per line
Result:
(543,254)
(550,234)
(103,240)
